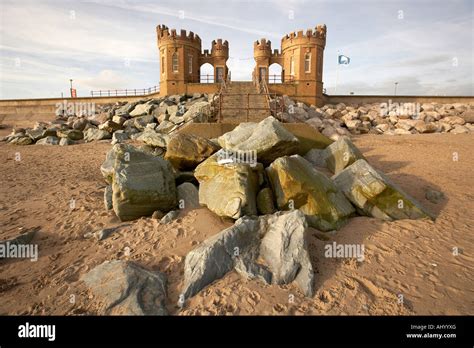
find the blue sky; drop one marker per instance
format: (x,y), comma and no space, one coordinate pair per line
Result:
(425,46)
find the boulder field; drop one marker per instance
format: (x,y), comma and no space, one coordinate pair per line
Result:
(274,195)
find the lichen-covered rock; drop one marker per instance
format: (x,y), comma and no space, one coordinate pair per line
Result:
(228,189)
(110,126)
(72,134)
(265,202)
(376,195)
(141,183)
(186,151)
(24,140)
(127,289)
(35,134)
(297,185)
(268,138)
(341,154)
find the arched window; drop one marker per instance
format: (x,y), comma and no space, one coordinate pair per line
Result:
(174,61)
(307,63)
(292,66)
(162,64)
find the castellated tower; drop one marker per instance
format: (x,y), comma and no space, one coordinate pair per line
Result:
(181,59)
(264,57)
(301,59)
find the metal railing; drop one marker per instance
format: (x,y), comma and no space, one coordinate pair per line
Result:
(273,108)
(206,78)
(125,92)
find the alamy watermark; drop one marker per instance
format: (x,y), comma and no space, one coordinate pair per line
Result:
(410,109)
(66,108)
(11,250)
(238,156)
(355,251)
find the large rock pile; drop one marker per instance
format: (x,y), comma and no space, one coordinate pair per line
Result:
(120,121)
(338,120)
(274,195)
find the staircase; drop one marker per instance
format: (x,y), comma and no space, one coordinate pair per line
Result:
(241,102)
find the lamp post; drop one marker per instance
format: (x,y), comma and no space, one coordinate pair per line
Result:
(396,84)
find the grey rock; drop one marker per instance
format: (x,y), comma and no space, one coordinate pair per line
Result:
(119,137)
(434,196)
(215,256)
(49,140)
(66,142)
(108,198)
(284,249)
(170,216)
(142,121)
(271,248)
(94,134)
(128,289)
(268,138)
(198,112)
(142,109)
(141,184)
(35,134)
(152,138)
(188,196)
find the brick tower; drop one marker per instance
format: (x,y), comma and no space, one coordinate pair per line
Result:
(181,59)
(301,59)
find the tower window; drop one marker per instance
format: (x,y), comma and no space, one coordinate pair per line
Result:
(190,65)
(292,66)
(175,62)
(162,64)
(307,63)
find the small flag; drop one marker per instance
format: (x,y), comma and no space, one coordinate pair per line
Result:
(342,59)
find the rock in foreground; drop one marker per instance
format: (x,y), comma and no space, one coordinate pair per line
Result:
(376,195)
(271,248)
(141,184)
(268,138)
(186,151)
(128,289)
(228,189)
(299,186)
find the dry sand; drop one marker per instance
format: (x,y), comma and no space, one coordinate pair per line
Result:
(410,258)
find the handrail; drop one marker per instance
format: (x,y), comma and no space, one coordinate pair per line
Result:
(125,92)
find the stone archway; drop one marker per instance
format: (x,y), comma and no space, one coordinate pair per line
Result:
(206,73)
(275,73)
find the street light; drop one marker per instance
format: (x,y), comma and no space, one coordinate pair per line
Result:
(396,84)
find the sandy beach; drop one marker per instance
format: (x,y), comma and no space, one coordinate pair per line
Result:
(411,267)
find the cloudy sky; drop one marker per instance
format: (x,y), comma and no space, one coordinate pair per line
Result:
(425,46)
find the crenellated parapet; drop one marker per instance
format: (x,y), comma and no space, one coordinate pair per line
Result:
(168,36)
(312,37)
(220,48)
